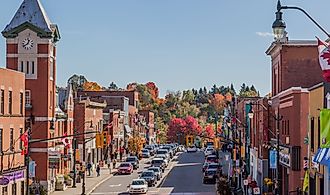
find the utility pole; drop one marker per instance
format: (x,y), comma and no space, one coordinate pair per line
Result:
(27,160)
(84,167)
(74,142)
(278,118)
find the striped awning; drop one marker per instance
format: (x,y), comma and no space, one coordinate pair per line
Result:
(322,156)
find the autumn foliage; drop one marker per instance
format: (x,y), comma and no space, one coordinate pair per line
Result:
(92,86)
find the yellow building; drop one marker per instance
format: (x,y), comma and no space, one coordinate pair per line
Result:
(316,102)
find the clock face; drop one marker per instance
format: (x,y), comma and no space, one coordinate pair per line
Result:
(27,43)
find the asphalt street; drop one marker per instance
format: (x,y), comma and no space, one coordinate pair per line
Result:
(186,176)
(183,176)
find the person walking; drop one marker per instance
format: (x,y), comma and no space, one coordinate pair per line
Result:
(89,167)
(98,169)
(109,165)
(114,161)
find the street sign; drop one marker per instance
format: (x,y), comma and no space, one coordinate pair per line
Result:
(4,181)
(256,190)
(237,163)
(246,182)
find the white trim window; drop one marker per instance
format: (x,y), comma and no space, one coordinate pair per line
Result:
(51,69)
(27,98)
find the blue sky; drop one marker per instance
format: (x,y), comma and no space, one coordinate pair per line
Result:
(178,44)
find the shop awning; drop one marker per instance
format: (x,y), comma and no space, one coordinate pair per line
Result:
(322,156)
(128,129)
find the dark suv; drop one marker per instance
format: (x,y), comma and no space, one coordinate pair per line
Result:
(150,177)
(134,161)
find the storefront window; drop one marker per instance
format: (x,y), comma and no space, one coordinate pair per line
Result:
(5,190)
(13,186)
(22,187)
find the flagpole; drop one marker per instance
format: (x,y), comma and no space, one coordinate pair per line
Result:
(27,161)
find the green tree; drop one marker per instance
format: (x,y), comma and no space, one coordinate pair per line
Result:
(113,86)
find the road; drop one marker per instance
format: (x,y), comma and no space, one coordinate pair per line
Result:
(186,176)
(183,175)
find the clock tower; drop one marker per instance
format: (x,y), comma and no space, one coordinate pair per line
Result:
(31,48)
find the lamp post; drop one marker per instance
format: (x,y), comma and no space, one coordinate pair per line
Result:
(83,190)
(279,25)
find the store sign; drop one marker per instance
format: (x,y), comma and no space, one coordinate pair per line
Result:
(285,158)
(15,175)
(4,181)
(272,159)
(54,156)
(32,169)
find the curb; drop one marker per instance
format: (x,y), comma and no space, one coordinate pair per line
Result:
(98,184)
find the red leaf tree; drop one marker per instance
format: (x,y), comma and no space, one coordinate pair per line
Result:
(192,126)
(209,131)
(176,126)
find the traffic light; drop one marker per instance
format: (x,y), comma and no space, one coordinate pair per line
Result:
(105,139)
(98,140)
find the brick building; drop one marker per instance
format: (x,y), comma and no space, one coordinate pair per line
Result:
(12,126)
(295,67)
(88,116)
(31,49)
(150,126)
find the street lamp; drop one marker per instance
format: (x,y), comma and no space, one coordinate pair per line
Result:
(83,192)
(279,25)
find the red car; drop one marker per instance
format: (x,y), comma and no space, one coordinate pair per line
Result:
(125,168)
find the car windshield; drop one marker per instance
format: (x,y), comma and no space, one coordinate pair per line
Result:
(211,158)
(161,152)
(157,161)
(211,172)
(154,169)
(124,165)
(145,151)
(213,166)
(138,182)
(147,174)
(129,159)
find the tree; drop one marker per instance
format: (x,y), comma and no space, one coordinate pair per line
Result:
(92,86)
(217,102)
(209,131)
(153,90)
(192,127)
(176,126)
(188,96)
(113,86)
(161,130)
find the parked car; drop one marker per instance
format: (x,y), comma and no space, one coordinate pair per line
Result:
(208,151)
(214,166)
(145,153)
(138,186)
(157,171)
(125,168)
(211,158)
(163,151)
(192,149)
(163,156)
(210,176)
(149,176)
(158,162)
(134,161)
(205,166)
(151,149)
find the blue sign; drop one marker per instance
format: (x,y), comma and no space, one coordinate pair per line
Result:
(32,169)
(272,159)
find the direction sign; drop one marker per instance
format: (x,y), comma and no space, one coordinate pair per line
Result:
(245,182)
(4,181)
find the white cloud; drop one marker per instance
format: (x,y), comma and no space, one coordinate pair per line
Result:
(264,34)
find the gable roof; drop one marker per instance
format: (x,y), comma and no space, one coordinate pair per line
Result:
(31,13)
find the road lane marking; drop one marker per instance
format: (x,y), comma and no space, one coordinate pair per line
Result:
(112,186)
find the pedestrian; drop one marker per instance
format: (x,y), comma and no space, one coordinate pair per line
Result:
(98,170)
(116,155)
(89,167)
(114,161)
(109,165)
(121,156)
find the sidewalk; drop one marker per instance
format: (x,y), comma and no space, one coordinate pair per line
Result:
(91,183)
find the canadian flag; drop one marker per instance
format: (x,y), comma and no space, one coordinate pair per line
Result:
(25,139)
(66,141)
(324,58)
(110,125)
